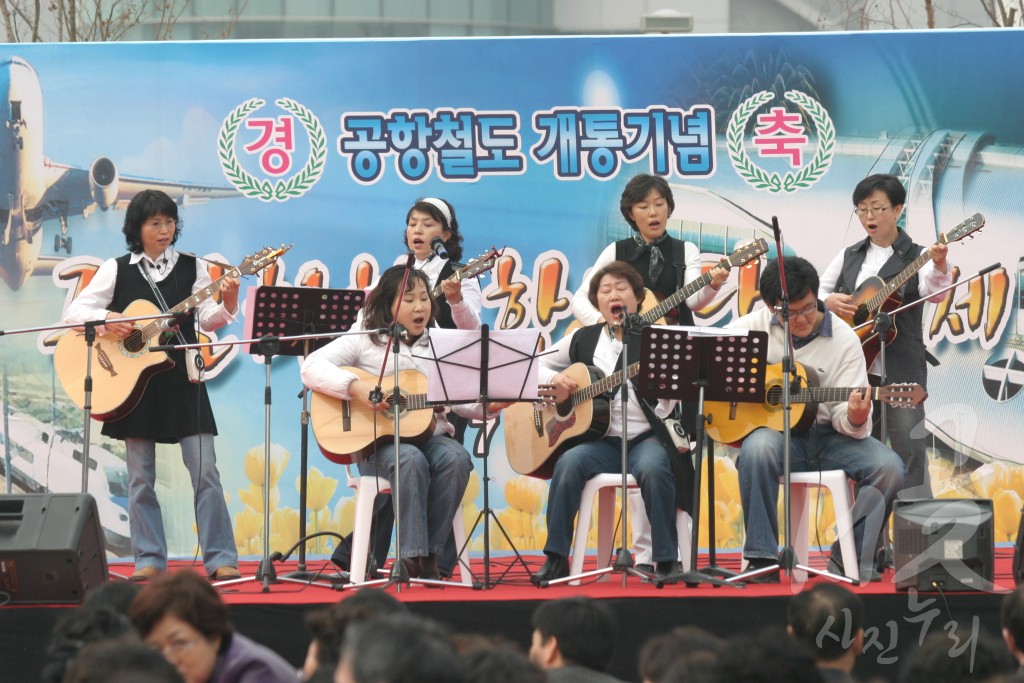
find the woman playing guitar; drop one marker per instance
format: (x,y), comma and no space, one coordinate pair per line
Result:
(887,249)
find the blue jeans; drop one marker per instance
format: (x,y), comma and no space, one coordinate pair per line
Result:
(648,463)
(878,471)
(434,479)
(149,544)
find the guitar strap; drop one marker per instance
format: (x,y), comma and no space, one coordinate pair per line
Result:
(194,365)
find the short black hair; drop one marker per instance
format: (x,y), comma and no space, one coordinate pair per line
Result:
(401,648)
(826,618)
(887,183)
(681,648)
(937,661)
(141,208)
(1012,615)
(766,657)
(585,630)
(801,278)
(636,191)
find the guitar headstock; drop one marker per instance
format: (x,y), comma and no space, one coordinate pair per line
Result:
(482,263)
(967,227)
(746,253)
(905,395)
(254,263)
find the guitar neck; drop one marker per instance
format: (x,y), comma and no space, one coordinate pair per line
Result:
(602,385)
(885,292)
(673,300)
(154,328)
(829,394)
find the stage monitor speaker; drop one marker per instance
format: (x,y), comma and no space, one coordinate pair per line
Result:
(51,548)
(943,544)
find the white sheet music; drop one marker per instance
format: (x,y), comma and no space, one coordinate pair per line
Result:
(512,365)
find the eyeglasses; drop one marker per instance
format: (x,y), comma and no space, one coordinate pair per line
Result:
(874,211)
(807,311)
(174,647)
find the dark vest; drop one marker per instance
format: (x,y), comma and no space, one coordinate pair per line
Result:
(171,407)
(905,356)
(674,254)
(444,313)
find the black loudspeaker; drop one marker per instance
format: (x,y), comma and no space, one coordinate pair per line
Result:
(944,544)
(51,548)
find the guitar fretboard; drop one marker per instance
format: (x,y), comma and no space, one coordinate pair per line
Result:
(599,387)
(153,329)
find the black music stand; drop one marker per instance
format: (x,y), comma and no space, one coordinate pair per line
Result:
(295,311)
(466,367)
(698,364)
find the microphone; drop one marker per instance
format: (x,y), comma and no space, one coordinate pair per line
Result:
(170,325)
(776,229)
(986,271)
(618,311)
(437,244)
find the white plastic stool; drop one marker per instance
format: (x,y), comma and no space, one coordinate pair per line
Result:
(800,511)
(367,489)
(604,485)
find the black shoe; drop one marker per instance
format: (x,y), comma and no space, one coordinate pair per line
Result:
(755,563)
(412,566)
(666,569)
(428,568)
(555,567)
(835,566)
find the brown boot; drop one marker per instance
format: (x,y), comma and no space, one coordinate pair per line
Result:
(428,568)
(412,567)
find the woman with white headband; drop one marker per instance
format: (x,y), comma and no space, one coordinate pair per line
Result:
(460,302)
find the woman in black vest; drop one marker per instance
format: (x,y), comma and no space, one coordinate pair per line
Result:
(887,250)
(666,264)
(616,290)
(172,409)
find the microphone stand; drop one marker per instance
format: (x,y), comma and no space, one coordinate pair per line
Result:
(90,339)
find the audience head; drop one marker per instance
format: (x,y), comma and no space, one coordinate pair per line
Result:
(122,661)
(489,660)
(181,614)
(573,631)
(115,595)
(398,648)
(328,624)
(829,619)
(767,657)
(949,656)
(78,629)
(1012,618)
(686,653)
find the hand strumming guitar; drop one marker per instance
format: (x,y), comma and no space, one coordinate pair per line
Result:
(559,389)
(360,391)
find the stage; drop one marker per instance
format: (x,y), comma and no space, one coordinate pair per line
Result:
(895,620)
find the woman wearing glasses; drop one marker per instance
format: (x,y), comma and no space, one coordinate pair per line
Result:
(887,250)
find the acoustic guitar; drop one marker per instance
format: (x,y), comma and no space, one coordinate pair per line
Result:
(536,434)
(731,422)
(349,431)
(876,295)
(121,368)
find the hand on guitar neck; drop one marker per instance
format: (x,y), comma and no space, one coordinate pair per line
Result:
(858,407)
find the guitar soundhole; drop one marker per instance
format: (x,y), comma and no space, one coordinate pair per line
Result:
(861,315)
(774,396)
(135,341)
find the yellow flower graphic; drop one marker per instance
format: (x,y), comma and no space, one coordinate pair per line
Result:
(254,463)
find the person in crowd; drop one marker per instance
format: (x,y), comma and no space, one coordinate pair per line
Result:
(1012,622)
(433,474)
(398,648)
(768,656)
(829,620)
(839,439)
(76,630)
(617,290)
(489,660)
(686,654)
(573,640)
(459,305)
(328,625)
(121,660)
(959,653)
(886,251)
(172,409)
(666,264)
(182,616)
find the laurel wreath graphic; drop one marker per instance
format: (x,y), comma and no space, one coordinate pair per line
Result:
(757,177)
(285,188)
